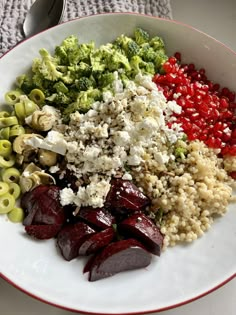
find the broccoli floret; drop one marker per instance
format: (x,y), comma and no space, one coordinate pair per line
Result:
(124,78)
(47,66)
(160,59)
(81,70)
(149,68)
(141,36)
(157,43)
(60,87)
(70,43)
(82,53)
(147,53)
(83,83)
(105,79)
(97,63)
(180,152)
(61,55)
(59,99)
(117,61)
(129,46)
(83,103)
(136,64)
(25,83)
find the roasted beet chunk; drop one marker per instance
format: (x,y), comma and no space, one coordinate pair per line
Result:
(42,232)
(71,237)
(97,217)
(97,241)
(117,257)
(143,229)
(42,208)
(125,196)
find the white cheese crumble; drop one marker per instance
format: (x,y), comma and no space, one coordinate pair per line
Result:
(54,141)
(118,132)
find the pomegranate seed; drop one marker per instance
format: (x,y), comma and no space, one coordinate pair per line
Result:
(233,175)
(178,56)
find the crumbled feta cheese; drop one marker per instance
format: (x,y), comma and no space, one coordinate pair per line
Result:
(54,142)
(127,176)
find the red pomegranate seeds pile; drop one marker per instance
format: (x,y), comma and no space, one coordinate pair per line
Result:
(208,112)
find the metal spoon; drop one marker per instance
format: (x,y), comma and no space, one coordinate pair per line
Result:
(42,15)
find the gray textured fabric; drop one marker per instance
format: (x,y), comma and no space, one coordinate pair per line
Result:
(12,14)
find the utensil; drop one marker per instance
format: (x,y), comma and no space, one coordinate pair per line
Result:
(43,14)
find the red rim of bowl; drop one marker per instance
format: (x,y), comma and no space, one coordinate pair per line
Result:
(129,313)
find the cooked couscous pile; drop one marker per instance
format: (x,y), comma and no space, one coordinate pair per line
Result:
(189,192)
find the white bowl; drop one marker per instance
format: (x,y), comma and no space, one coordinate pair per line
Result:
(183,273)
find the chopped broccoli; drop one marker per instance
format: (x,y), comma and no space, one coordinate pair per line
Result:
(136,62)
(129,46)
(141,36)
(147,53)
(83,103)
(61,55)
(160,59)
(82,69)
(157,43)
(82,53)
(47,66)
(96,59)
(77,74)
(117,61)
(105,79)
(59,99)
(180,152)
(60,87)
(70,43)
(149,68)
(83,84)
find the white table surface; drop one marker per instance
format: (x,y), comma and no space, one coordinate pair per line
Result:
(218,19)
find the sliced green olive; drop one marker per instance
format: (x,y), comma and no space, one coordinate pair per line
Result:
(5,148)
(10,175)
(37,96)
(16,215)
(12,97)
(8,161)
(4,188)
(8,121)
(7,203)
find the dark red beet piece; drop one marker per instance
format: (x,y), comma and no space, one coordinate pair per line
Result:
(124,195)
(42,206)
(70,238)
(28,200)
(117,257)
(97,217)
(143,229)
(97,241)
(42,232)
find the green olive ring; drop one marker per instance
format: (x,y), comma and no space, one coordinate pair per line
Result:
(37,96)
(12,97)
(16,215)
(10,175)
(14,190)
(7,203)
(4,114)
(5,148)
(16,131)
(4,188)
(5,133)
(7,161)
(8,121)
